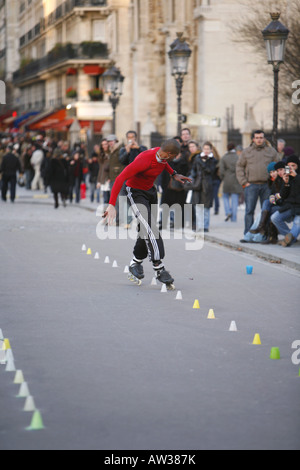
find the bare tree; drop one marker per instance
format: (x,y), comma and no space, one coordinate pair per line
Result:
(248,32)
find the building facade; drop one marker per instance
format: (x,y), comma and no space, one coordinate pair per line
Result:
(65,46)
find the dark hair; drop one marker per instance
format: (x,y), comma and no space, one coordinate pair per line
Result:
(230,146)
(257,132)
(131,132)
(177,137)
(185,129)
(208,143)
(171,146)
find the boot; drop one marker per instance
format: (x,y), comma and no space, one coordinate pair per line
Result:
(262,224)
(272,236)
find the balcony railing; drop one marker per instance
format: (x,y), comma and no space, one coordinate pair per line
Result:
(60,54)
(62,10)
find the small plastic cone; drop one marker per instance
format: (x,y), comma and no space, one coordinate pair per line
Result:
(106,261)
(10,366)
(1,335)
(257,339)
(29,404)
(24,391)
(89,251)
(178,295)
(153,282)
(6,345)
(83,248)
(233,326)
(196,304)
(275,354)
(96,256)
(36,422)
(126,270)
(211,314)
(19,378)
(115,264)
(163,288)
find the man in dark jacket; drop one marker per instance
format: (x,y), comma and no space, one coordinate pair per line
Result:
(290,208)
(131,150)
(9,168)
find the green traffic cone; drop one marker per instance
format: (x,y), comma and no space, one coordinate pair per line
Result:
(36,422)
(275,353)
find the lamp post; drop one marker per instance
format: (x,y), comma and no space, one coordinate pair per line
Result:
(275,36)
(179,56)
(113,86)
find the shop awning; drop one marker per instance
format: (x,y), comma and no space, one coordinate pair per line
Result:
(62,125)
(97,125)
(24,117)
(71,71)
(49,121)
(93,70)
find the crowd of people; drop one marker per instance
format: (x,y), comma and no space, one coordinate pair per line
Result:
(258,172)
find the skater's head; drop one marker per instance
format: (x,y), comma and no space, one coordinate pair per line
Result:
(169,150)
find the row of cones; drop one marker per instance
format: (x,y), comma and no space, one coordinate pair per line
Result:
(275,353)
(6,357)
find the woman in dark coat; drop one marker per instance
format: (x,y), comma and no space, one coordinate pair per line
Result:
(173,193)
(203,171)
(59,177)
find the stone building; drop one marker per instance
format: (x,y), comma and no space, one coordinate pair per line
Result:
(66,45)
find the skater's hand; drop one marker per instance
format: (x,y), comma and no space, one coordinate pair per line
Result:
(110,214)
(182,179)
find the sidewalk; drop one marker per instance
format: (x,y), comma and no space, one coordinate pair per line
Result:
(223,233)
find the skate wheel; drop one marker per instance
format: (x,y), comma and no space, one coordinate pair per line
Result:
(134,279)
(170,287)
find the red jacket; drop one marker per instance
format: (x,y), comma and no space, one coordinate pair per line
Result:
(140,174)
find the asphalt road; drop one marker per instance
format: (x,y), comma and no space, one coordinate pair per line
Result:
(117,367)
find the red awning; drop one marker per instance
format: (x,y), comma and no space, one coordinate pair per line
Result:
(97,125)
(62,125)
(49,121)
(93,70)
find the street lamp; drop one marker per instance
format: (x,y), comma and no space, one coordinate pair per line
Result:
(179,56)
(113,86)
(275,36)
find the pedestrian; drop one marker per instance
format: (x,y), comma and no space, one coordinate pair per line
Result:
(252,173)
(202,175)
(58,177)
(36,161)
(185,138)
(231,187)
(115,166)
(28,168)
(127,155)
(290,208)
(173,194)
(216,181)
(140,176)
(131,150)
(76,176)
(94,171)
(103,182)
(9,167)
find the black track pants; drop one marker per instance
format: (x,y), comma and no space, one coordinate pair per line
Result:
(144,207)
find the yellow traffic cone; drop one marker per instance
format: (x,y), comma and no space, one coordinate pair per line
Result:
(196,304)
(89,251)
(256,339)
(211,314)
(6,345)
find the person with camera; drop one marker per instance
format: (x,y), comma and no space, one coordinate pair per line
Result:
(290,208)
